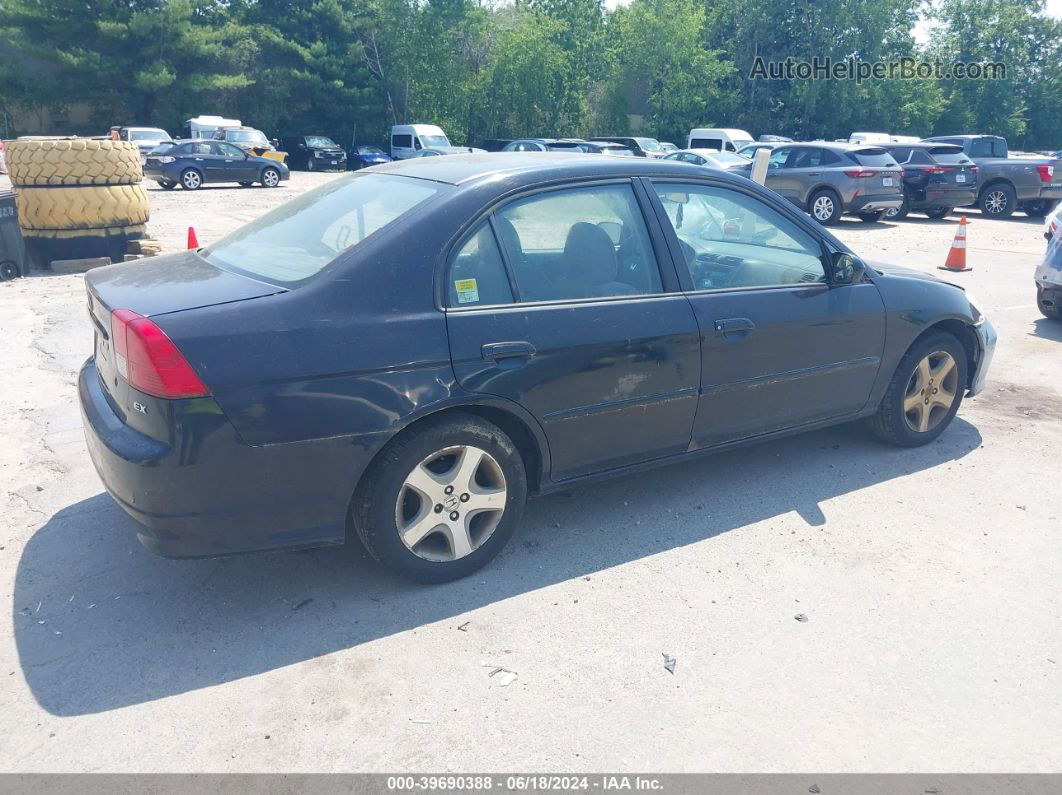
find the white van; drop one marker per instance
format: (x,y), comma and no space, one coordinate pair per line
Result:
(204,126)
(409,139)
(724,140)
(868,138)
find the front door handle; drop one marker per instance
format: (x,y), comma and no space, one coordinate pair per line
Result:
(507,350)
(734,327)
(814,173)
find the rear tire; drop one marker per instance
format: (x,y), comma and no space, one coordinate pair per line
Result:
(939,212)
(165,184)
(427,535)
(191,179)
(913,411)
(1051,310)
(246,184)
(8,271)
(825,207)
(1039,208)
(871,218)
(998,201)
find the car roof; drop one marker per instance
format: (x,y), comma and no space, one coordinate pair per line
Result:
(531,166)
(921,145)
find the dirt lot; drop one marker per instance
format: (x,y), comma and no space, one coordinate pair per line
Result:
(929,578)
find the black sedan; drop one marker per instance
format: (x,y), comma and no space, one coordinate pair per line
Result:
(192,164)
(402,355)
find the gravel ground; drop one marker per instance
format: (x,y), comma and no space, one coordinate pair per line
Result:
(929,579)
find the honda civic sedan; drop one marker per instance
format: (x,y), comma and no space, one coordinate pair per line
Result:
(403,355)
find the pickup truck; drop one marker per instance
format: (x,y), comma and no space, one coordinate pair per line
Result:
(1030,184)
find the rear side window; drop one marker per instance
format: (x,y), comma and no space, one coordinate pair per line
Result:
(402,141)
(951,157)
(874,158)
(299,238)
(477,273)
(981,148)
(578,243)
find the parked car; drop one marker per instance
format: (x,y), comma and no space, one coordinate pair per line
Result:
(1030,184)
(641,147)
(712,158)
(249,139)
(496,144)
(314,153)
(365,156)
(724,139)
(869,138)
(937,178)
(1048,279)
(749,150)
(668,147)
(604,148)
(192,164)
(408,140)
(1053,222)
(831,179)
(774,139)
(401,356)
(542,144)
(145,138)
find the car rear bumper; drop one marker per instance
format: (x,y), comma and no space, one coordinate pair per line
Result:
(934,199)
(1051,192)
(986,337)
(208,493)
(873,203)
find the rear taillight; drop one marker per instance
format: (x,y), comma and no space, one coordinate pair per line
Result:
(937,169)
(1045,172)
(972,168)
(149,360)
(860,172)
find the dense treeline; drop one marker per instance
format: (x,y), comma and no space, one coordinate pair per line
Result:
(530,67)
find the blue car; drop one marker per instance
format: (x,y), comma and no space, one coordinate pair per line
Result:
(192,164)
(365,156)
(400,356)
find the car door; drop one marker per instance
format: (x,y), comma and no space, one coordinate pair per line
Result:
(804,172)
(778,177)
(557,302)
(206,158)
(782,346)
(237,166)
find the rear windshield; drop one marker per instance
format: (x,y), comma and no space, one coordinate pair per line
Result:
(727,157)
(950,156)
(649,144)
(148,135)
(299,238)
(874,158)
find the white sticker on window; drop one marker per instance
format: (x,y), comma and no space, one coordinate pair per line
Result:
(467,291)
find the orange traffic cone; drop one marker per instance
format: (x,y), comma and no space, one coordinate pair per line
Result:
(193,241)
(956,260)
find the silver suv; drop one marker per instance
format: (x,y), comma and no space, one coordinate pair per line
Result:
(829,179)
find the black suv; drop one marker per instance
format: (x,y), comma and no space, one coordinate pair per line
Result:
(314,153)
(937,178)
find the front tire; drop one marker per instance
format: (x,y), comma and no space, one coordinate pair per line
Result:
(441,499)
(1050,309)
(270,177)
(9,270)
(825,207)
(925,392)
(998,201)
(309,164)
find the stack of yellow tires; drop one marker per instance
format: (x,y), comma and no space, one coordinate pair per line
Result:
(77,197)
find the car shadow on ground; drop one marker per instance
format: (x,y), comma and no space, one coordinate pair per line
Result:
(1047,329)
(101,624)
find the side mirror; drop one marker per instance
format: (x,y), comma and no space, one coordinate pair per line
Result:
(847,269)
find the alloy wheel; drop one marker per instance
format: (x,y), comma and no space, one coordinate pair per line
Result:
(996,202)
(931,392)
(822,209)
(270,178)
(451,503)
(191,180)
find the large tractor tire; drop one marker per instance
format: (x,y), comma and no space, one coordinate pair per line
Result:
(98,207)
(73,161)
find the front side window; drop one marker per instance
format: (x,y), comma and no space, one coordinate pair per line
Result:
(579,243)
(477,274)
(778,157)
(299,238)
(730,239)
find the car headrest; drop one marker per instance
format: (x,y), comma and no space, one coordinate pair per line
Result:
(589,255)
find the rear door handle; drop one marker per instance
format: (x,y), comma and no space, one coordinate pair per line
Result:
(814,173)
(507,350)
(738,326)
